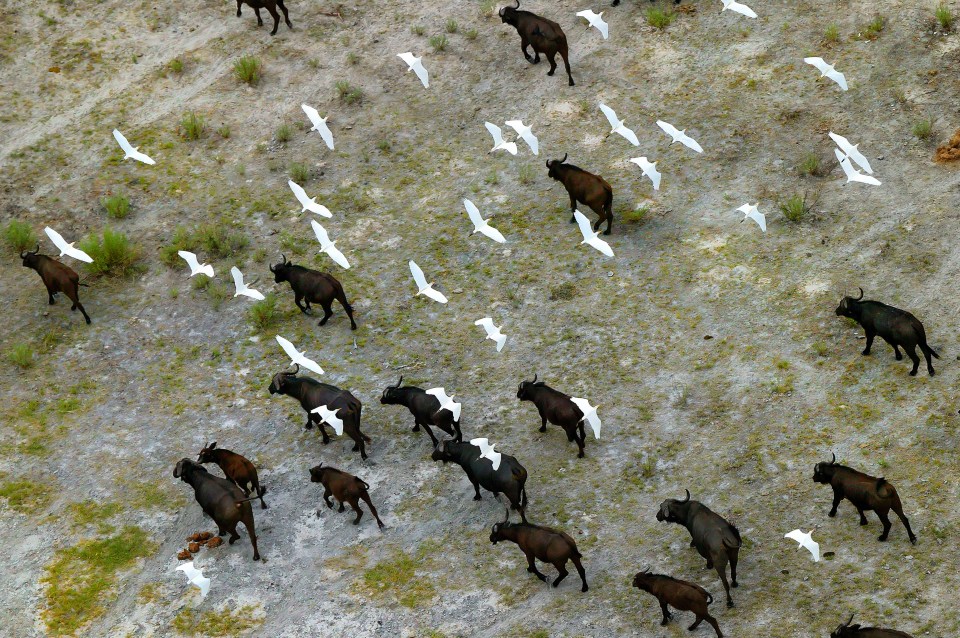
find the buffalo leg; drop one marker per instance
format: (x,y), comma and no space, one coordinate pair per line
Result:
(51,299)
(77,305)
(566,65)
(251,532)
(912,353)
(837,497)
(259,492)
(666,614)
(327,313)
(583,574)
(360,444)
(927,354)
(523,47)
(323,431)
(573,208)
(882,515)
(433,438)
(562,572)
(870,335)
(286,16)
(304,309)
(733,568)
(863,517)
(239,2)
(326,497)
(532,567)
(551,58)
(459,436)
(713,622)
(259,19)
(721,570)
(696,623)
(903,519)
(543,423)
(476,486)
(356,508)
(234,537)
(373,510)
(342,507)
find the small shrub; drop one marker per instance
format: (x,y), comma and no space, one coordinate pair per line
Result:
(471,34)
(21,355)
(264,314)
(384,146)
(176,65)
(117,206)
(352,58)
(348,93)
(944,16)
(874,28)
(563,292)
(224,132)
(247,69)
(438,42)
(832,34)
(220,241)
(417,30)
(452,26)
(19,236)
(637,216)
(488,8)
(299,173)
(658,18)
(113,254)
(794,208)
(218,294)
(527,174)
(192,126)
(811,165)
(923,128)
(284,133)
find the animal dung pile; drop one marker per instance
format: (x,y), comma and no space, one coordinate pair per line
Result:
(949,152)
(198,540)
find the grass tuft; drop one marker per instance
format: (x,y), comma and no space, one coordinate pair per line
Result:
(417,30)
(300,173)
(832,34)
(658,18)
(117,206)
(471,34)
(226,622)
(944,16)
(636,216)
(923,128)
(795,208)
(25,496)
(438,42)
(113,254)
(176,66)
(284,133)
(192,126)
(527,174)
(811,165)
(247,69)
(398,577)
(452,26)
(263,315)
(348,93)
(21,355)
(19,236)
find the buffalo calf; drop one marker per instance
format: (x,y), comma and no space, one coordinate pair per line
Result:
(238,470)
(678,594)
(586,188)
(545,36)
(557,408)
(847,630)
(57,277)
(346,488)
(312,286)
(271,7)
(543,544)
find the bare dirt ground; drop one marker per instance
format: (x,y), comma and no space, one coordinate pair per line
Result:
(92,431)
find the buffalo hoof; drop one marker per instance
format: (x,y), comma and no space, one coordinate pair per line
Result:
(238,13)
(615,3)
(274,32)
(734,584)
(865,353)
(289,25)
(550,73)
(542,429)
(931,372)
(356,522)
(584,588)
(256,556)
(259,22)
(882,538)
(606,232)
(898,356)
(476,498)
(664,623)
(832,514)
(913,373)
(913,540)
(730,604)
(353,326)
(864,522)
(572,83)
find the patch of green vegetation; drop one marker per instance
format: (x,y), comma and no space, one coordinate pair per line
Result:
(21,355)
(175,65)
(224,132)
(810,165)
(80,579)
(113,254)
(352,58)
(218,294)
(417,30)
(284,133)
(944,16)
(452,26)
(527,174)
(875,27)
(19,236)
(192,126)
(794,208)
(397,577)
(471,34)
(225,622)
(438,42)
(348,93)
(26,496)
(91,512)
(217,240)
(299,172)
(636,216)
(563,292)
(658,18)
(922,129)
(117,206)
(832,34)
(247,69)
(264,314)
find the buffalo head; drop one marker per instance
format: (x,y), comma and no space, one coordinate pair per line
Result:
(186,467)
(440,452)
(281,271)
(554,165)
(508,15)
(496,532)
(30,257)
(823,472)
(525,388)
(316,473)
(845,309)
(642,580)
(674,511)
(846,629)
(281,379)
(206,454)
(390,395)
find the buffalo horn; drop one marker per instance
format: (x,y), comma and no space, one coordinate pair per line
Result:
(564,158)
(688,497)
(861,295)
(847,624)
(399,382)
(834,460)
(518,4)
(506,515)
(534,378)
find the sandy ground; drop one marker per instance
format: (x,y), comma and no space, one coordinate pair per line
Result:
(739,419)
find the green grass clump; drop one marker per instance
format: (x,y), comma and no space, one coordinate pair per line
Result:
(220,240)
(218,294)
(176,65)
(832,34)
(299,172)
(80,579)
(923,128)
(452,26)
(263,315)
(117,206)
(811,165)
(398,577)
(527,174)
(192,126)
(417,30)
(795,208)
(874,28)
(226,622)
(284,133)
(944,16)
(471,34)
(438,42)
(352,58)
(348,93)
(658,18)
(25,496)
(636,216)
(19,236)
(563,292)
(113,254)
(247,69)
(224,132)
(21,355)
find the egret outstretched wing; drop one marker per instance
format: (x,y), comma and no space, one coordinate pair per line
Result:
(493,332)
(309,204)
(498,141)
(242,288)
(487,451)
(327,246)
(851,151)
(743,9)
(590,237)
(129,150)
(329,417)
(416,66)
(481,225)
(649,169)
(319,124)
(195,577)
(679,136)
(589,414)
(196,267)
(617,125)
(423,288)
(806,540)
(595,21)
(298,357)
(751,212)
(446,402)
(66,248)
(828,71)
(853,175)
(526,134)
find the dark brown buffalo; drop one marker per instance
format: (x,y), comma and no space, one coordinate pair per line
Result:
(897,327)
(57,277)
(678,594)
(715,539)
(586,188)
(344,487)
(425,409)
(545,36)
(847,630)
(509,478)
(543,544)
(240,471)
(867,493)
(313,287)
(271,7)
(219,499)
(557,408)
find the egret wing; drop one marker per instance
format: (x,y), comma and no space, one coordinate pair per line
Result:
(493,234)
(496,132)
(336,255)
(321,234)
(289,349)
(585,228)
(474,214)
(600,245)
(611,115)
(418,277)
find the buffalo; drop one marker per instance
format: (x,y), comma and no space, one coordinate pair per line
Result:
(679,594)
(219,499)
(715,539)
(57,277)
(425,409)
(897,327)
(864,491)
(508,478)
(312,394)
(238,470)
(557,408)
(847,630)
(346,488)
(312,286)
(271,7)
(586,188)
(541,543)
(545,36)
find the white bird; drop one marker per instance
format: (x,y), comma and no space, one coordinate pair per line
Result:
(493,332)
(329,417)
(195,576)
(308,203)
(487,451)
(595,21)
(806,540)
(618,126)
(853,175)
(196,267)
(743,9)
(649,169)
(590,237)
(297,357)
(416,66)
(130,151)
(589,414)
(754,214)
(526,134)
(480,224)
(327,246)
(498,141)
(828,71)
(423,288)
(851,151)
(242,288)
(679,136)
(66,248)
(446,402)
(319,124)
